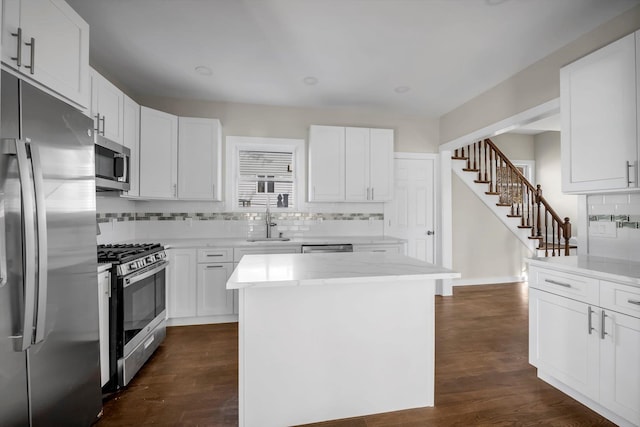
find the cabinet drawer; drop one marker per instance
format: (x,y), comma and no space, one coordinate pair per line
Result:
(570,285)
(621,298)
(215,255)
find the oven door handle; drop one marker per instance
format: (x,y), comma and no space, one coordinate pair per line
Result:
(130,280)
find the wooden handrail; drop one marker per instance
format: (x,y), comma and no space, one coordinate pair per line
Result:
(537,209)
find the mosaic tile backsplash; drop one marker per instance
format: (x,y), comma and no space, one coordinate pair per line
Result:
(614,225)
(235,216)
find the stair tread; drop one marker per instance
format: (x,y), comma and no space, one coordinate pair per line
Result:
(481,181)
(471,170)
(555,245)
(459,158)
(514,215)
(504,204)
(525,226)
(536,237)
(492,193)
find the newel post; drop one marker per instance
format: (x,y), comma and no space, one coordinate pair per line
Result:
(538,202)
(566,234)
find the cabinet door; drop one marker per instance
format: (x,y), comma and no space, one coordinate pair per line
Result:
(158,154)
(356,156)
(104,290)
(58,58)
(199,167)
(326,164)
(599,119)
(213,296)
(561,344)
(107,103)
(381,164)
(620,366)
(181,287)
(131,140)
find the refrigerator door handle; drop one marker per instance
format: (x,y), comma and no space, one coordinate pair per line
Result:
(41,222)
(29,256)
(3,250)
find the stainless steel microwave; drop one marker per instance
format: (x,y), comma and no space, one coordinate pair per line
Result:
(112,165)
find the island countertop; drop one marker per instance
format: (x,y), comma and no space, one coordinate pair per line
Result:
(326,268)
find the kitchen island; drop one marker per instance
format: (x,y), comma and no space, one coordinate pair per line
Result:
(337,335)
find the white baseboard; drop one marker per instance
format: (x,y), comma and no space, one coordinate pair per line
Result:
(203,320)
(487,280)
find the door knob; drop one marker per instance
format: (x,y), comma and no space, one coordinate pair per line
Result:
(430,233)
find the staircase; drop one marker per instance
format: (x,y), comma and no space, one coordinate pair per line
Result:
(515,201)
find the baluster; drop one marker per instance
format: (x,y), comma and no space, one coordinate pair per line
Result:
(476,150)
(485,161)
(491,171)
(468,157)
(566,233)
(553,237)
(546,233)
(538,221)
(462,151)
(455,153)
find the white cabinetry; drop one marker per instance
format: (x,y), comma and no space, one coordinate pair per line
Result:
(393,248)
(197,290)
(181,287)
(131,140)
(107,105)
(584,338)
(350,164)
(599,93)
(199,159)
(326,163)
(104,293)
(158,154)
(47,42)
(368,164)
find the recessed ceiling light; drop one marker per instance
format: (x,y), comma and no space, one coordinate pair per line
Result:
(203,71)
(402,89)
(310,81)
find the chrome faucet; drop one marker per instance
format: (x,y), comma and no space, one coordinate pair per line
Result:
(269,222)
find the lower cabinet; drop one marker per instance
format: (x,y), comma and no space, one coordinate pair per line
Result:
(104,293)
(213,297)
(588,348)
(394,248)
(197,287)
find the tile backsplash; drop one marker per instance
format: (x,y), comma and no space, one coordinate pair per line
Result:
(147,226)
(614,225)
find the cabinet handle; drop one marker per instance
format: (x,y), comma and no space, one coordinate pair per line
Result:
(18,57)
(368,193)
(97,128)
(603,316)
(103,126)
(175,190)
(214,266)
(214,254)
(372,196)
(589,313)
(633,301)
(553,282)
(32,66)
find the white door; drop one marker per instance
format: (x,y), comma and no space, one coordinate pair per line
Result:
(411,213)
(213,296)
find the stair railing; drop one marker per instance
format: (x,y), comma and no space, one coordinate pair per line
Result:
(515,191)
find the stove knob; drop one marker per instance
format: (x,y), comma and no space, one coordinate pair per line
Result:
(132,265)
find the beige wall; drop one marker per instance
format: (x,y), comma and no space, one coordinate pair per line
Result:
(483,248)
(515,146)
(412,133)
(548,175)
(534,85)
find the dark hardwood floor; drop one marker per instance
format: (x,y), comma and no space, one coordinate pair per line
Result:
(482,374)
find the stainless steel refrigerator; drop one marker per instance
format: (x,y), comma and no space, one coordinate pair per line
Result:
(49,351)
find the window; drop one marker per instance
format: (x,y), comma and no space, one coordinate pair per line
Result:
(265,177)
(264,171)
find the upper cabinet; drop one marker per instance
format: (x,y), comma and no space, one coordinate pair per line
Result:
(199,159)
(47,42)
(131,140)
(350,164)
(180,157)
(326,163)
(599,95)
(158,154)
(107,105)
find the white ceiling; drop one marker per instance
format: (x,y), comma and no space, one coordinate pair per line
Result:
(444,52)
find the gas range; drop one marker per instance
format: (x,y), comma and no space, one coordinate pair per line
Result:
(131,257)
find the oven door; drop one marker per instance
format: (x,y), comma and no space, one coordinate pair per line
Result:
(143,304)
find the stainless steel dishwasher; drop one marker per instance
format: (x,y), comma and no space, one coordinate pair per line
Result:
(311,249)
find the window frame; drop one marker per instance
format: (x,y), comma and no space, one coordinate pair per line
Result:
(233,146)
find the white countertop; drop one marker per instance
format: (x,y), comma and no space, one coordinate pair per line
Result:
(619,270)
(103,267)
(242,242)
(321,269)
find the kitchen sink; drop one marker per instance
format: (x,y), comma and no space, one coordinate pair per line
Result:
(269,239)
